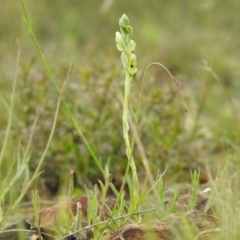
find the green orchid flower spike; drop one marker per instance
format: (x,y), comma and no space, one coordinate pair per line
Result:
(127,46)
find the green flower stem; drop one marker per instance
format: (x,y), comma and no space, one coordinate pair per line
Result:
(125,114)
(127,46)
(128,84)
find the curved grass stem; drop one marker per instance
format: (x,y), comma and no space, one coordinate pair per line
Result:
(66,108)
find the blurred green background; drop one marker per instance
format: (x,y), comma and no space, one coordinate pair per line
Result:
(198,41)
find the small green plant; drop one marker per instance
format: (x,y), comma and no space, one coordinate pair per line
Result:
(167,206)
(126,45)
(36,210)
(194,188)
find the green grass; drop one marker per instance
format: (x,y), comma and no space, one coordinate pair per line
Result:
(196,41)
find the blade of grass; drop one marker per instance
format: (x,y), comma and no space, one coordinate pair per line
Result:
(50,75)
(2,152)
(66,108)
